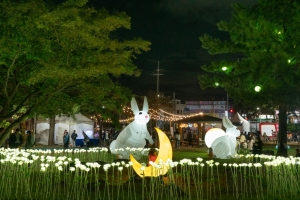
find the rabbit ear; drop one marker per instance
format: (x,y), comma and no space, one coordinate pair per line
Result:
(145,106)
(227,123)
(240,117)
(134,106)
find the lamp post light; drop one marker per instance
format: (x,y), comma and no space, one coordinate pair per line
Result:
(200,134)
(257,88)
(259,114)
(224,68)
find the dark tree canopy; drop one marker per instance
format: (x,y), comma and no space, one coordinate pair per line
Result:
(265,39)
(54,57)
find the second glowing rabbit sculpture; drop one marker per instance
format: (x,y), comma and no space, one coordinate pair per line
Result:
(223,144)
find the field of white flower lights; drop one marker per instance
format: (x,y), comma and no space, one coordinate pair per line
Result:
(94,174)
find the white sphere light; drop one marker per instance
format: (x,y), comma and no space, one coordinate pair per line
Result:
(224,68)
(213,134)
(257,88)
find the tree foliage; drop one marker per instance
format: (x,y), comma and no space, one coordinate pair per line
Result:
(104,100)
(265,39)
(50,55)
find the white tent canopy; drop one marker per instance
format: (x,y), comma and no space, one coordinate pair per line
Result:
(62,123)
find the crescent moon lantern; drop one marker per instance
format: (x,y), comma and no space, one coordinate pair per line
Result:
(165,153)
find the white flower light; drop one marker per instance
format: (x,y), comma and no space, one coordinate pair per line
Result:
(72,169)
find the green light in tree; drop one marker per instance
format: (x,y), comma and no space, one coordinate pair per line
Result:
(279,32)
(224,68)
(217,84)
(257,88)
(289,60)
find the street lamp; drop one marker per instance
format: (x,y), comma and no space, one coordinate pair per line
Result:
(200,129)
(259,114)
(257,88)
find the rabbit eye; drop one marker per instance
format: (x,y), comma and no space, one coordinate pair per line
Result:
(140,113)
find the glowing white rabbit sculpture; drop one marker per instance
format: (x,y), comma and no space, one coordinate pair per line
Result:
(233,132)
(135,133)
(217,139)
(223,144)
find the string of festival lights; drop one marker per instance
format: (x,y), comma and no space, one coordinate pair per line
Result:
(159,114)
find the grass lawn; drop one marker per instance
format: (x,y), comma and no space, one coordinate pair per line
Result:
(193,153)
(189,154)
(184,181)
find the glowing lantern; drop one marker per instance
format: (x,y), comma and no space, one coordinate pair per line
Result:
(212,135)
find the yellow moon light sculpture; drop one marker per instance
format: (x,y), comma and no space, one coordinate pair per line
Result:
(165,153)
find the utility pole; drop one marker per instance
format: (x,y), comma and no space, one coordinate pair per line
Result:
(213,104)
(227,106)
(174,112)
(157,89)
(174,104)
(157,78)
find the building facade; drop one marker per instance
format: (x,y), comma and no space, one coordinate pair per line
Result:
(213,108)
(179,108)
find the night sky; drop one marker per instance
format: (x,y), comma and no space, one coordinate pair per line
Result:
(173,27)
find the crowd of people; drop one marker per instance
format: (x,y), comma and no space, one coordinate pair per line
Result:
(18,140)
(108,135)
(250,142)
(105,138)
(189,137)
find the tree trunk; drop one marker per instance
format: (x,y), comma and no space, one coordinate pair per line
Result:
(100,128)
(282,135)
(51,131)
(6,132)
